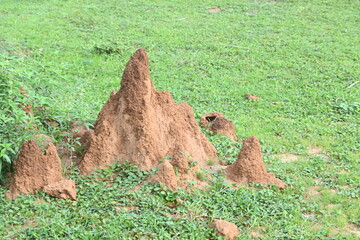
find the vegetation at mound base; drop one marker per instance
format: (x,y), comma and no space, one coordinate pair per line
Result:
(300,57)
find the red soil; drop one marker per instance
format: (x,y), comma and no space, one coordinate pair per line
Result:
(38,171)
(166,175)
(249,167)
(34,170)
(143,125)
(225,229)
(252,97)
(64,189)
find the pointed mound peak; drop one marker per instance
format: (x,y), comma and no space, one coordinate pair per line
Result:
(136,80)
(166,175)
(143,125)
(140,56)
(251,144)
(252,140)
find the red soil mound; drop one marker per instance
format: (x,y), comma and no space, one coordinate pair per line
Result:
(252,97)
(217,123)
(64,189)
(166,175)
(38,171)
(249,167)
(34,169)
(225,229)
(143,125)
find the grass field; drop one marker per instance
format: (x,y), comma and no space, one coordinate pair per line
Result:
(301,57)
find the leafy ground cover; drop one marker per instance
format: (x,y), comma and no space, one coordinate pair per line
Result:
(300,57)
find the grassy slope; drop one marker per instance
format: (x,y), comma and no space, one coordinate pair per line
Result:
(298,56)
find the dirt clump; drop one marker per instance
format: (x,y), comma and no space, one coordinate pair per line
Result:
(218,124)
(34,170)
(225,229)
(252,97)
(64,189)
(214,10)
(142,125)
(249,167)
(166,175)
(180,162)
(257,232)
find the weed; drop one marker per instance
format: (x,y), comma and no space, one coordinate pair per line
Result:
(193,163)
(211,162)
(201,175)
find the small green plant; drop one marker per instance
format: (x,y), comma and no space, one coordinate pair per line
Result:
(201,175)
(79,150)
(16,125)
(127,175)
(72,145)
(193,163)
(211,162)
(106,48)
(166,158)
(227,149)
(176,170)
(165,193)
(344,109)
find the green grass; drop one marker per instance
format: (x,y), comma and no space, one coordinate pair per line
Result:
(298,56)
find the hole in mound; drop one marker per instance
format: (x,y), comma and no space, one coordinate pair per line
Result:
(210,118)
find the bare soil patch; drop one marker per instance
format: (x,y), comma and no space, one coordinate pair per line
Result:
(312,191)
(318,151)
(214,10)
(286,157)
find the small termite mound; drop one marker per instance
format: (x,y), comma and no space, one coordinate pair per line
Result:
(166,175)
(218,124)
(182,172)
(249,167)
(34,169)
(225,229)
